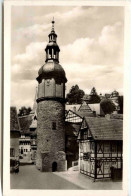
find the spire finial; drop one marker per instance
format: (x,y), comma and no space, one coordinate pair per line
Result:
(53,24)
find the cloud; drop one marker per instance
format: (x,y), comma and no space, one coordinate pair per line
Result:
(72,22)
(92,56)
(105,50)
(26,65)
(61,17)
(23,94)
(103,78)
(91,44)
(33,31)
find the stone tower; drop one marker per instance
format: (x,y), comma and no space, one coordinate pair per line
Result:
(51,110)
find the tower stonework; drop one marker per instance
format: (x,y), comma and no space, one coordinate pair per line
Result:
(51,110)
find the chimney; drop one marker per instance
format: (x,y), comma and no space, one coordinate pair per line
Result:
(74,108)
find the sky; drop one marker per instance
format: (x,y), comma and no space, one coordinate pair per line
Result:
(91,41)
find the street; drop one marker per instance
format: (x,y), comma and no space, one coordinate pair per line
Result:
(31,178)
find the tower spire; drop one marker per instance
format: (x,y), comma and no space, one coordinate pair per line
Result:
(53,22)
(52,48)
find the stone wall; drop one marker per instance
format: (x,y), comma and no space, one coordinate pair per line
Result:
(50,141)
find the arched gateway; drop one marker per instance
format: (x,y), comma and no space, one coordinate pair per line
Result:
(54,166)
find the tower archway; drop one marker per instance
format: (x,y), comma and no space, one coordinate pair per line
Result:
(54,166)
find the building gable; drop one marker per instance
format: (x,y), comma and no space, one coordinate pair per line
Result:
(73,117)
(84,132)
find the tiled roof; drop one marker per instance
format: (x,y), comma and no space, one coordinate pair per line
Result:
(14,121)
(85,108)
(85,113)
(90,108)
(103,129)
(25,122)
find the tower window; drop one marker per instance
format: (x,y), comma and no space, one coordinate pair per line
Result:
(53,125)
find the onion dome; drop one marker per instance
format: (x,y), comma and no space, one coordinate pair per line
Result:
(52,70)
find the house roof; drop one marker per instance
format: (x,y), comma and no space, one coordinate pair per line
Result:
(25,122)
(85,108)
(14,121)
(103,129)
(85,113)
(77,117)
(90,108)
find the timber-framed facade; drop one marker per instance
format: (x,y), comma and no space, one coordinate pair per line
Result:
(100,148)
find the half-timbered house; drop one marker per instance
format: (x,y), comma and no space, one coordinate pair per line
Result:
(100,147)
(73,122)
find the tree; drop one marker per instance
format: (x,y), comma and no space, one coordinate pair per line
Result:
(120,102)
(94,97)
(75,95)
(107,106)
(24,111)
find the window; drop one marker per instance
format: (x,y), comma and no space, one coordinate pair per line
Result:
(48,82)
(53,125)
(34,142)
(21,150)
(12,152)
(85,135)
(106,147)
(86,156)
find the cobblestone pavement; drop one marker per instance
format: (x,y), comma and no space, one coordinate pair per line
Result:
(31,178)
